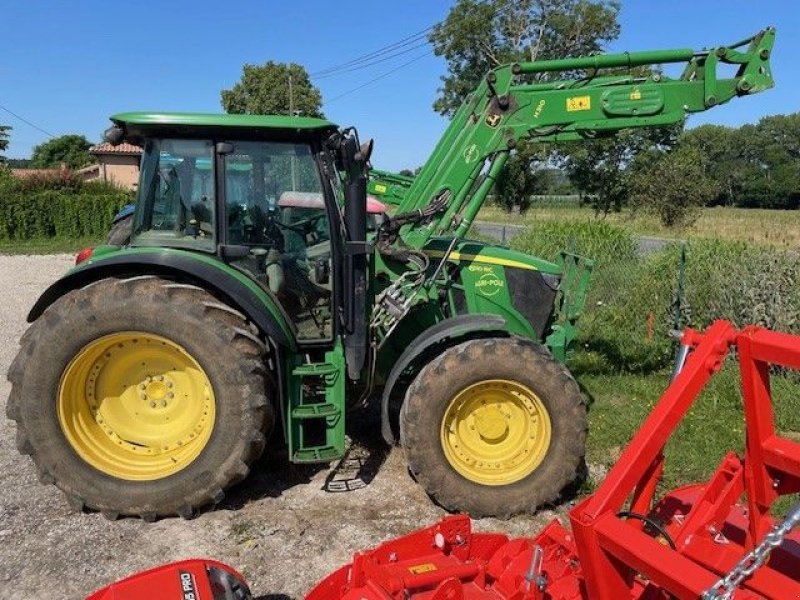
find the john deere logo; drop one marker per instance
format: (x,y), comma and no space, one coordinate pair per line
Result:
(493,120)
(489,284)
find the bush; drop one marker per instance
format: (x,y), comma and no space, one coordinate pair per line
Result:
(744,283)
(604,242)
(57,206)
(633,301)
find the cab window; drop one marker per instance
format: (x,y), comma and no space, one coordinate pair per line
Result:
(176,195)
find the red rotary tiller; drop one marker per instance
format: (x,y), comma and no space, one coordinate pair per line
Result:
(713,540)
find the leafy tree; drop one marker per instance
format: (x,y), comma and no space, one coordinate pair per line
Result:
(523,177)
(599,168)
(273,88)
(673,185)
(18,163)
(4,129)
(754,165)
(479,35)
(71,150)
(724,160)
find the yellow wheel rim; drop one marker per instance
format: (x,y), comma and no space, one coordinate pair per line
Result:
(496,432)
(136,406)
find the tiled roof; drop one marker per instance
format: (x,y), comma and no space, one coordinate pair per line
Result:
(106,148)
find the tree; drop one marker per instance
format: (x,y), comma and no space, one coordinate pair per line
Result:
(599,168)
(273,88)
(673,185)
(71,150)
(754,165)
(4,129)
(479,35)
(522,178)
(723,159)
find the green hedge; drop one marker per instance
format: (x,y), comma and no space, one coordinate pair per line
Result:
(57,207)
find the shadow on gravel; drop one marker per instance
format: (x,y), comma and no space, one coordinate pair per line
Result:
(273,597)
(272,474)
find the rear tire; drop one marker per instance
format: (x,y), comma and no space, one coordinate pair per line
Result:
(99,376)
(494,427)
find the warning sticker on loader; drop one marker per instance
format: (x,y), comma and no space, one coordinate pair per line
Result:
(577,103)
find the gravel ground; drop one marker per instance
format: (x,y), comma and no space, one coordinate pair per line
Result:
(280,527)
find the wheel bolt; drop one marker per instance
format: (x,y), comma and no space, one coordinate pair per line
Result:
(142,386)
(160,378)
(143,396)
(169,384)
(152,404)
(170,395)
(163,403)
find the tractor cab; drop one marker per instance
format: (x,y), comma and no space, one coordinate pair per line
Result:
(261,192)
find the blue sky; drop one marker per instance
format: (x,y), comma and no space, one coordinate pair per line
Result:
(67,66)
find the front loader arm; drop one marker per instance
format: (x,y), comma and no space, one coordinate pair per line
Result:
(506,107)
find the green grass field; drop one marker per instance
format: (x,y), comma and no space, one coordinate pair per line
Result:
(776,227)
(712,427)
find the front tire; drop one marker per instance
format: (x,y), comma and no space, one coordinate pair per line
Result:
(141,396)
(494,427)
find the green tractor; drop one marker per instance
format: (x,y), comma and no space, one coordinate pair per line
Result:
(253,300)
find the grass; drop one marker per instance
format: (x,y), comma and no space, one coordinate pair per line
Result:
(713,426)
(780,228)
(46,245)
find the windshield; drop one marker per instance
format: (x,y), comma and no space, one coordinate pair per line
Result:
(176,194)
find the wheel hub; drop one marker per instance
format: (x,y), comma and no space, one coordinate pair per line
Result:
(136,406)
(491,424)
(496,432)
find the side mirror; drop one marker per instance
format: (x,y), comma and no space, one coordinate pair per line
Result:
(365,151)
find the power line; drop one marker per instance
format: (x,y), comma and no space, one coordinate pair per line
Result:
(415,37)
(379,77)
(24,120)
(394,50)
(373,62)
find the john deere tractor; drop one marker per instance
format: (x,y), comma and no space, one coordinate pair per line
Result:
(253,301)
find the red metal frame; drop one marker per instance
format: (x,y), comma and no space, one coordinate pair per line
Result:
(611,551)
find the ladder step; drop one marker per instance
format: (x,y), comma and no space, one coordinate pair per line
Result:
(315,455)
(315,369)
(315,411)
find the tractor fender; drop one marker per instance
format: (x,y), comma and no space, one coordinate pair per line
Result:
(455,328)
(258,305)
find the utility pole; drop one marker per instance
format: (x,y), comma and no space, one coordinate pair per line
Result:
(292,159)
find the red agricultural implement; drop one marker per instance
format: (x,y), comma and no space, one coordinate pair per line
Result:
(706,541)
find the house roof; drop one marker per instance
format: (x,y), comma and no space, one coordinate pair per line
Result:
(106,148)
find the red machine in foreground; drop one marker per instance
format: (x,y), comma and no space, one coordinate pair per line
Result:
(715,540)
(195,579)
